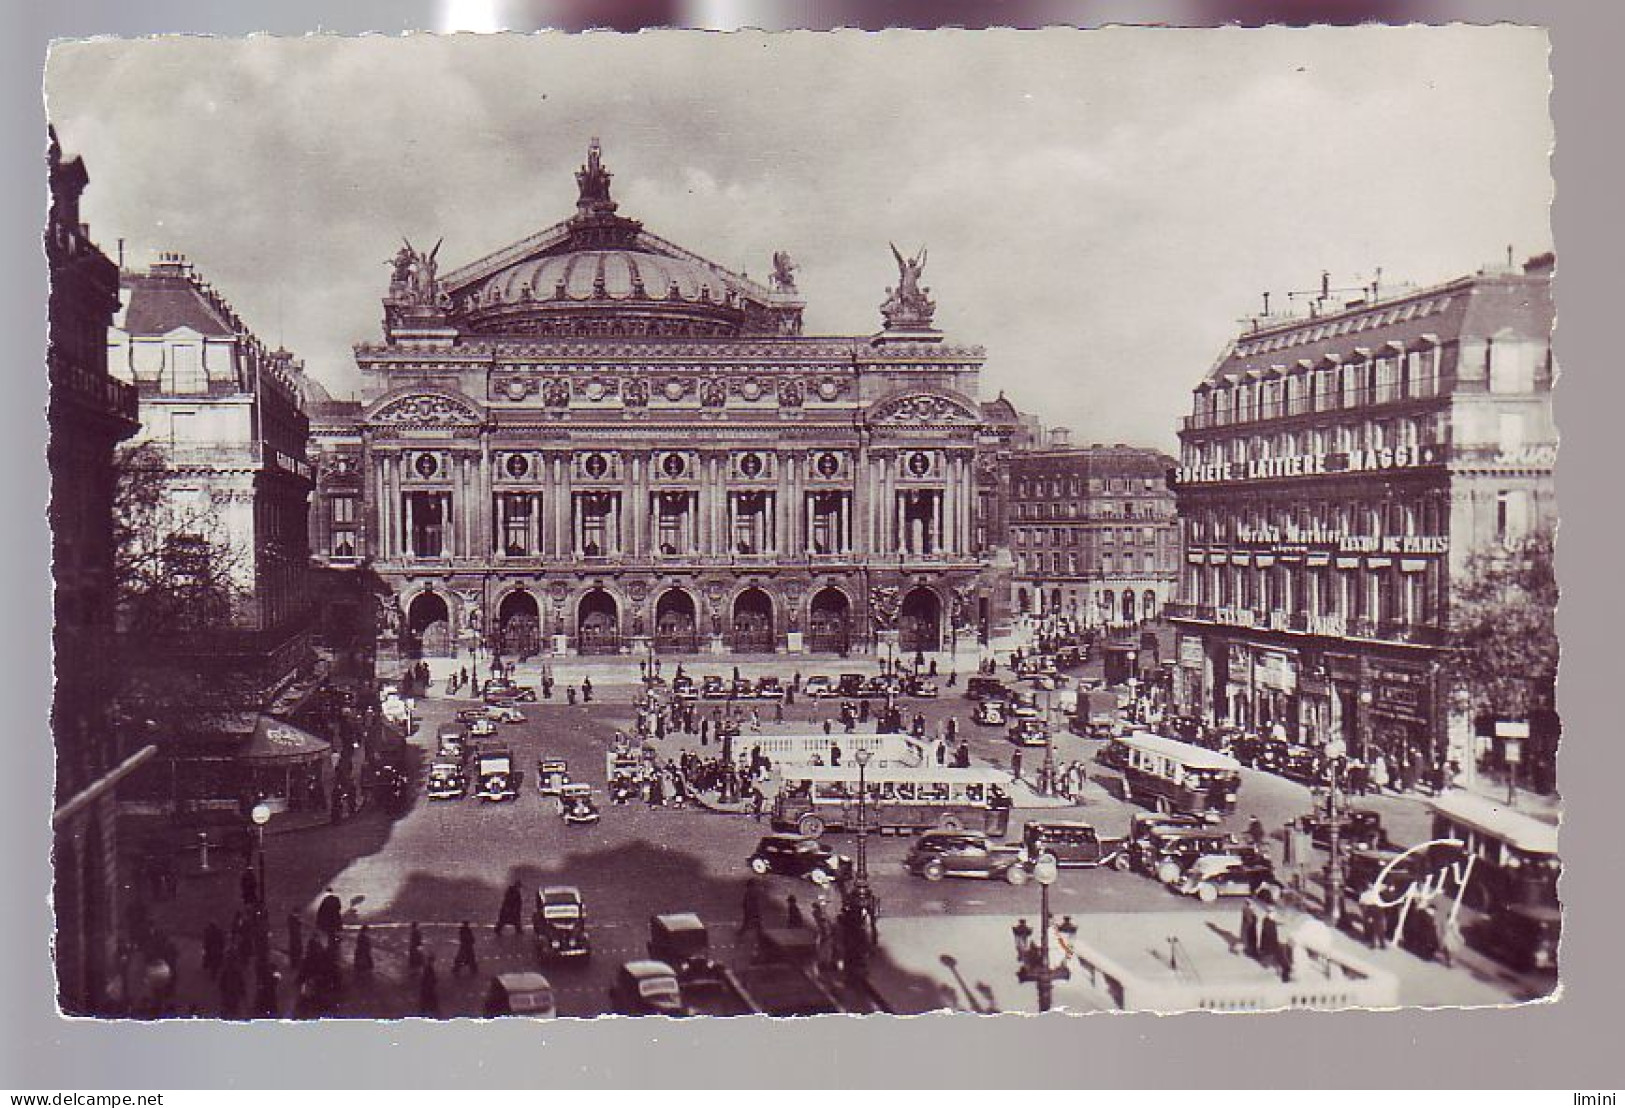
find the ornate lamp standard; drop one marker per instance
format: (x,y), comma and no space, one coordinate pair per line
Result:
(858,902)
(1336,755)
(1033,957)
(1046,778)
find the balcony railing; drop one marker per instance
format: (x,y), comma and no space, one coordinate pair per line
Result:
(95,390)
(1303,623)
(1342,400)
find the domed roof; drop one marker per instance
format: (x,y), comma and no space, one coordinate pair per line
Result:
(618,274)
(600,273)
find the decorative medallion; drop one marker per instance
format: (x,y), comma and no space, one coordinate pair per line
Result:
(674,465)
(675,389)
(426,466)
(594,390)
(751,389)
(556,394)
(713,393)
(751,465)
(829,389)
(827,465)
(517,465)
(517,389)
(919,463)
(790,394)
(595,466)
(636,392)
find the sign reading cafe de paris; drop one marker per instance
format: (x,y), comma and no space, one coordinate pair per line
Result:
(596,441)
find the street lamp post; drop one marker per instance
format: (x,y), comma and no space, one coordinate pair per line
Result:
(1336,750)
(1046,784)
(858,906)
(1033,957)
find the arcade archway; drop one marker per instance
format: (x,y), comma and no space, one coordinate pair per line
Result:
(919,622)
(676,623)
(753,623)
(428,627)
(519,625)
(598,624)
(829,621)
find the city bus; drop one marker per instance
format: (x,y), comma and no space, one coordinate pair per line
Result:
(816,749)
(1514,855)
(1172,776)
(815,799)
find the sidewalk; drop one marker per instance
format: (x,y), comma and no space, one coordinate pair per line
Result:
(967,963)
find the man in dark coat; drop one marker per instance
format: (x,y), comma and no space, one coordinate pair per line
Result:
(792,913)
(750,915)
(465,952)
(511,913)
(330,915)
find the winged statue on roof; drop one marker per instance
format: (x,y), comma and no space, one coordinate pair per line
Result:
(414,278)
(909,304)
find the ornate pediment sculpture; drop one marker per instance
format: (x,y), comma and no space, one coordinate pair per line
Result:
(427,409)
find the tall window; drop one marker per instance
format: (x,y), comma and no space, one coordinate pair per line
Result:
(515,524)
(342,529)
(1511,516)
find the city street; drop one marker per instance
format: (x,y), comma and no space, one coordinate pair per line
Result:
(443,862)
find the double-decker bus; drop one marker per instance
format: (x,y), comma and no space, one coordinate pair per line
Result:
(1172,776)
(815,799)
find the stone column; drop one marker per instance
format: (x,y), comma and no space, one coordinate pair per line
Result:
(383,547)
(937,514)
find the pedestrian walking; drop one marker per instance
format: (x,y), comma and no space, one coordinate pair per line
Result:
(1269,933)
(465,952)
(750,912)
(586,690)
(362,960)
(1373,918)
(330,915)
(758,801)
(778,712)
(1256,833)
(414,946)
(1249,927)
(1015,765)
(1450,940)
(792,914)
(428,989)
(511,912)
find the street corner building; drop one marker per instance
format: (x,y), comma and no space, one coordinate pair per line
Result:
(1338,471)
(594,441)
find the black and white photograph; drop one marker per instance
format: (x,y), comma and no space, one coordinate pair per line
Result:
(788,524)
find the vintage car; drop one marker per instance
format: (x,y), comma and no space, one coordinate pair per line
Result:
(798,856)
(1024,705)
(496,778)
(919,687)
(469,715)
(552,774)
(881,687)
(1176,843)
(451,733)
(818,686)
(939,854)
(505,713)
(1045,681)
(770,688)
(683,688)
(1072,843)
(560,923)
(576,805)
(1360,829)
(1241,873)
(520,994)
(483,727)
(503,691)
(1523,936)
(1029,732)
(850,684)
(986,688)
(990,713)
(742,688)
(646,988)
(447,781)
(712,687)
(680,940)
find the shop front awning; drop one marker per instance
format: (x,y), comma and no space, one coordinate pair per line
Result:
(276,741)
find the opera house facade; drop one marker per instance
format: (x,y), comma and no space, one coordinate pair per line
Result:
(596,441)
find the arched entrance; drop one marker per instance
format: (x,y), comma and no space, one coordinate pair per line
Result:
(428,627)
(1128,605)
(919,622)
(753,623)
(519,625)
(830,622)
(676,624)
(1024,602)
(598,624)
(1148,605)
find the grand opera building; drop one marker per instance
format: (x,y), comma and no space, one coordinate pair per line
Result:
(595,441)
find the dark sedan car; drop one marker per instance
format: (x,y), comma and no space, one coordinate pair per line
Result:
(798,856)
(939,854)
(1360,829)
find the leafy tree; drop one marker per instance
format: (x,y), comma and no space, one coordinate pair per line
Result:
(179,574)
(1504,629)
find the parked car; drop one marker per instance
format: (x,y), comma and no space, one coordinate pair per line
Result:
(712,688)
(503,689)
(1024,705)
(1242,873)
(919,687)
(520,994)
(469,715)
(881,687)
(818,686)
(483,727)
(798,856)
(1029,732)
(1523,936)
(1072,843)
(990,713)
(1164,851)
(770,688)
(496,777)
(986,688)
(447,781)
(560,923)
(506,713)
(743,688)
(644,987)
(1361,829)
(939,854)
(850,684)
(683,688)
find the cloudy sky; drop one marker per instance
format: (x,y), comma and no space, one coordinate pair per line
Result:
(1101,208)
